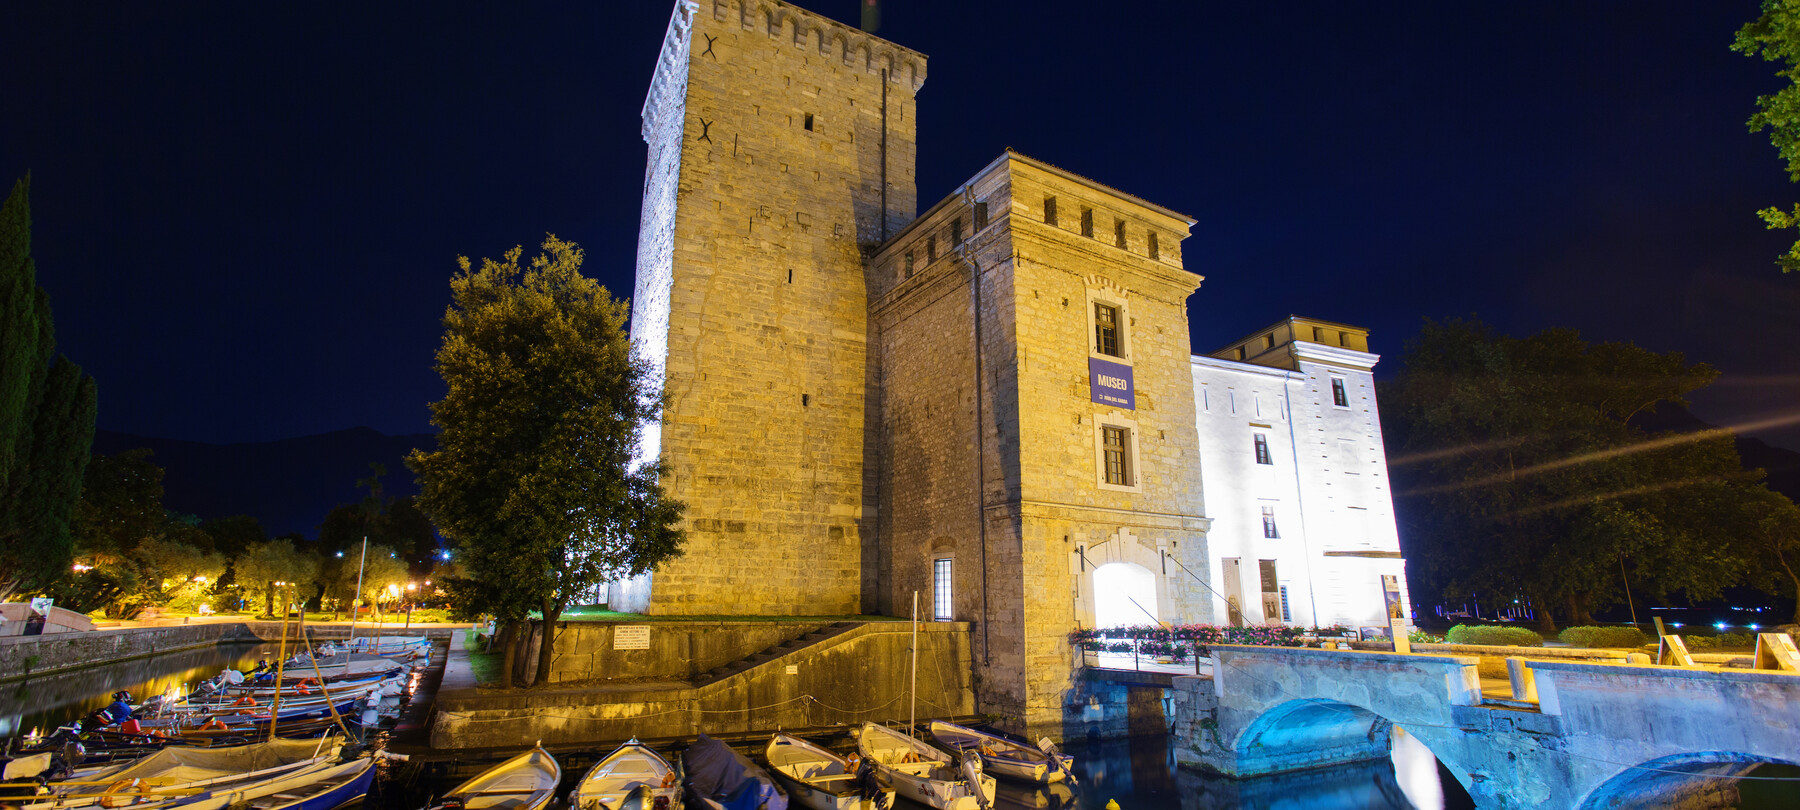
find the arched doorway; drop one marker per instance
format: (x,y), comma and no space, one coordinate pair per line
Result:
(1124,595)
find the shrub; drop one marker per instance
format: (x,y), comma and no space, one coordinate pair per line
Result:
(1494,636)
(1422,637)
(1592,636)
(1735,640)
(1700,642)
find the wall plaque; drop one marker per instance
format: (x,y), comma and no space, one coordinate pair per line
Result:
(631,637)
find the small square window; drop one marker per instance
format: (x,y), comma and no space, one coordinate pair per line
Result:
(1115,445)
(941,608)
(1269,531)
(1106,329)
(1318,335)
(1344,339)
(1339,396)
(1262,450)
(1049,210)
(1087,222)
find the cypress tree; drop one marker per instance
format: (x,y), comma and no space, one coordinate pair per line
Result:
(47,411)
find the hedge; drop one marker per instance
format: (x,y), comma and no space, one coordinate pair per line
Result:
(1720,640)
(1494,636)
(1594,636)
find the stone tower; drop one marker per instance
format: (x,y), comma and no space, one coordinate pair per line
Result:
(781,147)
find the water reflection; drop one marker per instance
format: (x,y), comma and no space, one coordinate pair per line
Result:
(48,701)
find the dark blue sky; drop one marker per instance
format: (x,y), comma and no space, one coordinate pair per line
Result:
(248,213)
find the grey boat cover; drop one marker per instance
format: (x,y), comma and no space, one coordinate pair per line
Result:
(181,764)
(729,778)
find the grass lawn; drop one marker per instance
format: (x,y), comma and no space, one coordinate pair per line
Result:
(486,667)
(590,615)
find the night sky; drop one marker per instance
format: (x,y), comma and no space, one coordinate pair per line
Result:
(247,214)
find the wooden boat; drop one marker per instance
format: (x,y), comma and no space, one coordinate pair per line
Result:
(525,782)
(634,771)
(371,643)
(822,780)
(178,774)
(325,789)
(1004,758)
(720,778)
(925,774)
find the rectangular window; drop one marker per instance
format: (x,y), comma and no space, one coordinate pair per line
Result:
(1119,232)
(1155,252)
(1344,339)
(1115,443)
(809,122)
(1262,450)
(909,264)
(941,609)
(931,248)
(1286,615)
(981,215)
(1049,210)
(1240,352)
(1269,530)
(956,232)
(1339,396)
(1106,329)
(1269,341)
(1087,222)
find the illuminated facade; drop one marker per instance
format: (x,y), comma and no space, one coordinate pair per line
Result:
(992,405)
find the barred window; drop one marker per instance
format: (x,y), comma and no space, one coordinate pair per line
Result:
(1262,450)
(941,608)
(1117,449)
(1339,396)
(1106,329)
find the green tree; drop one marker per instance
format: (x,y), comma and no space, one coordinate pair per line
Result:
(47,408)
(172,569)
(264,564)
(1775,36)
(533,476)
(232,534)
(1772,531)
(381,571)
(1520,473)
(121,503)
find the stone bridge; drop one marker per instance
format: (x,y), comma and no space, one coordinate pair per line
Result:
(1599,734)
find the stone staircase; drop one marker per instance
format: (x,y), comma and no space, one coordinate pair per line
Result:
(774,653)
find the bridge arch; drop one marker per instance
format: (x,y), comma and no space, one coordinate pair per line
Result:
(1308,732)
(1699,779)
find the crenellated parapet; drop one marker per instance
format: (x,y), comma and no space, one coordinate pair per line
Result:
(668,87)
(803,29)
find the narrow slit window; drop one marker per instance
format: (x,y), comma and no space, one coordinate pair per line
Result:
(1318,335)
(1087,222)
(909,264)
(981,215)
(930,249)
(1119,233)
(1151,246)
(809,122)
(956,232)
(1106,329)
(1262,450)
(941,608)
(1240,352)
(1049,210)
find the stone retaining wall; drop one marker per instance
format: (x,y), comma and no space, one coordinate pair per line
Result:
(586,651)
(28,656)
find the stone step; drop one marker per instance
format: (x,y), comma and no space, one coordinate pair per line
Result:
(773,652)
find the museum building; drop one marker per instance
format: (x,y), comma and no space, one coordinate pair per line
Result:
(993,405)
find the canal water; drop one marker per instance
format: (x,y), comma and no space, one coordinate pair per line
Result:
(57,699)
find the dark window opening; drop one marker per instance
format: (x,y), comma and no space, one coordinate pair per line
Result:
(1155,252)
(1339,396)
(981,215)
(930,249)
(909,264)
(809,122)
(1240,352)
(1049,210)
(956,232)
(790,275)
(1262,450)
(1269,530)
(1118,455)
(1087,222)
(805,400)
(1106,329)
(1119,233)
(1269,341)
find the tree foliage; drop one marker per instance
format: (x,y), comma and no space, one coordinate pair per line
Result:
(1775,36)
(47,408)
(121,503)
(272,561)
(533,476)
(1520,472)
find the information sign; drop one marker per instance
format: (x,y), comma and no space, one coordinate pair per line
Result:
(631,637)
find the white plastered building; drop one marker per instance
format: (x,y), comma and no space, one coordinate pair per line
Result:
(1296,480)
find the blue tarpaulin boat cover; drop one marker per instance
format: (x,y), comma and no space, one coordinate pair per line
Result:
(729,778)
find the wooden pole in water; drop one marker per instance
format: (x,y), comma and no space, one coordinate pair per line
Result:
(912,713)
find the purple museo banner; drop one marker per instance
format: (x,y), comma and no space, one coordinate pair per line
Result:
(1110,384)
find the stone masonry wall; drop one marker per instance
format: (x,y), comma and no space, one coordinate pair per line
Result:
(779,187)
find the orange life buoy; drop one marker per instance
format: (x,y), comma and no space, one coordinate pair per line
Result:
(215,724)
(668,779)
(244,701)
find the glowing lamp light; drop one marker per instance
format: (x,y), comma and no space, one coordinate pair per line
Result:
(340,554)
(1674,624)
(1720,625)
(1751,626)
(80,568)
(412,586)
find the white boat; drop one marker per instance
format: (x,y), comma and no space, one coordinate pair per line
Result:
(1006,758)
(925,774)
(180,773)
(324,789)
(631,772)
(822,780)
(525,782)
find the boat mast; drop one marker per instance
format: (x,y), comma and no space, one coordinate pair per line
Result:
(356,601)
(912,713)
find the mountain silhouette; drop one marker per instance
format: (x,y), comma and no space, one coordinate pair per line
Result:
(288,485)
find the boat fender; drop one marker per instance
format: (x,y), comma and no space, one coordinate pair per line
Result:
(113,800)
(668,780)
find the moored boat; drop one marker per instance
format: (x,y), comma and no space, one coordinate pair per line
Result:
(721,778)
(525,782)
(1004,758)
(325,789)
(634,771)
(819,779)
(925,774)
(179,774)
